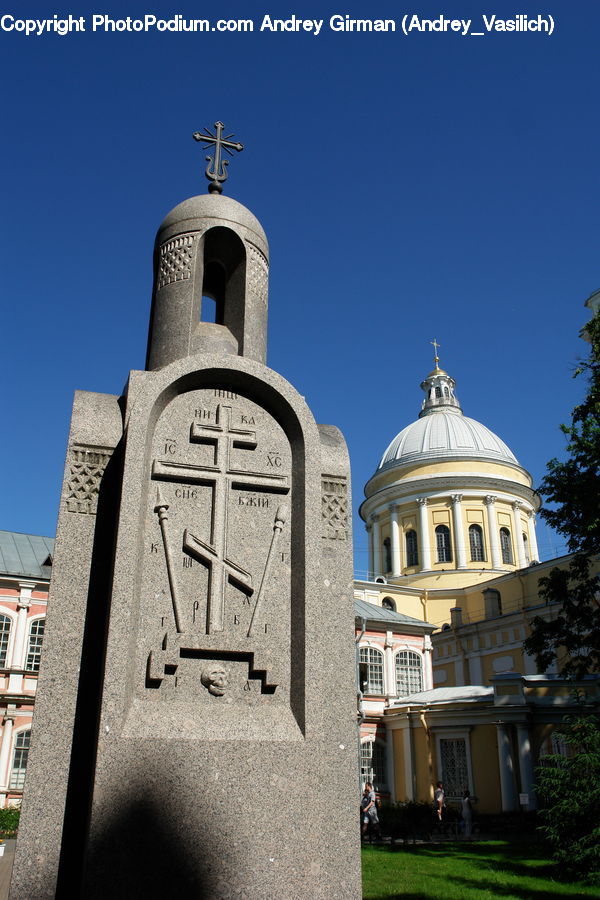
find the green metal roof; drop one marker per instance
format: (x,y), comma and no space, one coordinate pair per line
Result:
(373,613)
(28,555)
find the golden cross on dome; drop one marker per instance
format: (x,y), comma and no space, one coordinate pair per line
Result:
(436,358)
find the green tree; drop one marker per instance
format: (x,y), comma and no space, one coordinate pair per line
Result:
(569,787)
(572,487)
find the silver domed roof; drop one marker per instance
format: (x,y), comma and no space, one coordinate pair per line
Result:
(442,431)
(444,434)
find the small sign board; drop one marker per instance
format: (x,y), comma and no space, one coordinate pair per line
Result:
(524,799)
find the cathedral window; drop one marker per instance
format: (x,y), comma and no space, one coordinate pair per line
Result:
(5,624)
(387,554)
(476,543)
(442,540)
(388,603)
(455,770)
(372,764)
(438,392)
(506,546)
(371,670)
(526,548)
(17,773)
(412,549)
(409,673)
(34,648)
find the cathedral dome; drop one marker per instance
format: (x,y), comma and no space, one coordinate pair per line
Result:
(442,431)
(445,435)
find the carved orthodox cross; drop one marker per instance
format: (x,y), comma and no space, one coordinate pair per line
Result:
(220,475)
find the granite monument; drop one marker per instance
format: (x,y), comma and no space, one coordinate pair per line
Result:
(195,727)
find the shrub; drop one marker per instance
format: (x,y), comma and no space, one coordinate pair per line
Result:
(569,788)
(9,820)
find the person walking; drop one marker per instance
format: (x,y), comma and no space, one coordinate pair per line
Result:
(467,814)
(368,805)
(438,800)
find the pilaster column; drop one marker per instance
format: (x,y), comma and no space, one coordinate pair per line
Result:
(388,666)
(533,545)
(459,534)
(23,603)
(395,533)
(427,663)
(371,563)
(506,768)
(490,502)
(376,546)
(526,765)
(424,548)
(518,529)
(7,730)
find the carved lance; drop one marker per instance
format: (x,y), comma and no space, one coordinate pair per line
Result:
(280,517)
(161,508)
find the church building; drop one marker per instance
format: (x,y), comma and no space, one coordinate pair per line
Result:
(449,694)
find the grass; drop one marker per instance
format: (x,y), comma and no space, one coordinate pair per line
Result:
(486,869)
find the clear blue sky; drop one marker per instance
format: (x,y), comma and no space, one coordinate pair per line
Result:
(412,187)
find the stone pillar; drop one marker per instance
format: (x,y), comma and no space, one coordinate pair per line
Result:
(376,546)
(5,748)
(526,765)
(459,534)
(518,529)
(506,768)
(371,563)
(533,545)
(490,502)
(395,533)
(424,548)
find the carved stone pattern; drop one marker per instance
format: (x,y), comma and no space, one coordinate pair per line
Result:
(258,273)
(334,508)
(176,260)
(86,470)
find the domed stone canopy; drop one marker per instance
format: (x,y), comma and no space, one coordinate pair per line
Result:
(192,214)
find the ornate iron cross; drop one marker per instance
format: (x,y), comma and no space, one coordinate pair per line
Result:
(216,170)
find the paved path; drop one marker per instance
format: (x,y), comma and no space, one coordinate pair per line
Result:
(6,863)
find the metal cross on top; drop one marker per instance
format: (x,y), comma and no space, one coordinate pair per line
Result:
(220,475)
(435,347)
(218,173)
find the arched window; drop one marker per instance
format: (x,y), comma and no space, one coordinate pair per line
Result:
(372,764)
(438,392)
(506,546)
(526,548)
(412,549)
(387,555)
(476,543)
(34,648)
(5,624)
(371,670)
(409,673)
(388,603)
(442,540)
(446,392)
(17,773)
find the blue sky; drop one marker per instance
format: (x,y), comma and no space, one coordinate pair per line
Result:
(412,187)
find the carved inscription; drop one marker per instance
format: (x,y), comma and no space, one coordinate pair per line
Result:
(220,473)
(87,465)
(334,508)
(176,258)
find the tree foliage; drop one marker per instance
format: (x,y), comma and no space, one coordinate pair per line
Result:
(569,788)
(572,487)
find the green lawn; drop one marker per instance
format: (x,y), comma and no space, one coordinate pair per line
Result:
(492,869)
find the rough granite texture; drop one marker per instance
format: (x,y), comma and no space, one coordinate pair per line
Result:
(195,726)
